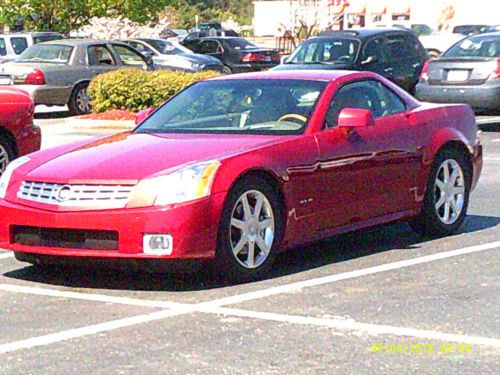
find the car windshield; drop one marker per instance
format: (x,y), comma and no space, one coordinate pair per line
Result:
(476,47)
(240,44)
(167,48)
(241,106)
(325,51)
(47,53)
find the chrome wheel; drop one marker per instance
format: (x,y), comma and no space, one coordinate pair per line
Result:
(449,191)
(4,159)
(252,229)
(82,100)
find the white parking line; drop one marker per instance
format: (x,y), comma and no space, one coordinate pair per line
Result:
(6,255)
(215,306)
(293,287)
(351,325)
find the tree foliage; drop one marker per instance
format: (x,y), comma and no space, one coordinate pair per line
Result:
(67,15)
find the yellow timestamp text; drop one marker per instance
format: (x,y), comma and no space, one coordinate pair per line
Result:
(420,348)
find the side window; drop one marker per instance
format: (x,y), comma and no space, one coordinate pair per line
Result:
(100,55)
(390,102)
(128,56)
(353,95)
(210,46)
(397,48)
(3,47)
(139,47)
(374,49)
(368,94)
(412,46)
(19,45)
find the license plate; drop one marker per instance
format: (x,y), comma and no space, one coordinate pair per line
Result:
(458,75)
(5,80)
(267,58)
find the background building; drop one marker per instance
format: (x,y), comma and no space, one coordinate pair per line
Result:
(271,18)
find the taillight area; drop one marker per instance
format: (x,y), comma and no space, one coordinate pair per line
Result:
(496,73)
(424,75)
(253,57)
(35,78)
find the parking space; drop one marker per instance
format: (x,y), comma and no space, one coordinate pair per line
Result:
(357,303)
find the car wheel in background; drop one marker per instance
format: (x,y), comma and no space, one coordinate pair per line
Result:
(6,153)
(226,70)
(79,102)
(251,230)
(447,195)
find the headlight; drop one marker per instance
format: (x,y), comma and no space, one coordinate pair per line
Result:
(187,184)
(7,174)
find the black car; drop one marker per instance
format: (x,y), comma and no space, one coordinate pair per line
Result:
(237,54)
(394,53)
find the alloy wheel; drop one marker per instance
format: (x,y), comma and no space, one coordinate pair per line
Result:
(83,101)
(252,229)
(449,191)
(4,159)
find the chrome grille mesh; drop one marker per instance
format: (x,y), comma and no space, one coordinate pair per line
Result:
(75,195)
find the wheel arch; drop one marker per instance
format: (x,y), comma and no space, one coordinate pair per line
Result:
(5,133)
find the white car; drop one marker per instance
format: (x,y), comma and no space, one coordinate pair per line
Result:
(437,43)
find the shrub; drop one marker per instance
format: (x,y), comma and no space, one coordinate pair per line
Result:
(134,89)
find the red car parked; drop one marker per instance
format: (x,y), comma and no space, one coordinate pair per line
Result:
(18,135)
(239,167)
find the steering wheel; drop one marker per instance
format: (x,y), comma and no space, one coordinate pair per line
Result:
(293,116)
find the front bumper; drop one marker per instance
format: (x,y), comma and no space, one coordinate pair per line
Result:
(485,97)
(194,228)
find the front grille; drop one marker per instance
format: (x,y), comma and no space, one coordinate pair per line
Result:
(110,196)
(64,238)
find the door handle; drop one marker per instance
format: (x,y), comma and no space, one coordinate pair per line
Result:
(389,70)
(416,65)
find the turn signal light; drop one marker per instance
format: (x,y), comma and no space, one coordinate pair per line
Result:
(35,78)
(496,73)
(424,75)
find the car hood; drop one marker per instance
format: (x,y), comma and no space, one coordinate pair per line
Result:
(127,158)
(333,66)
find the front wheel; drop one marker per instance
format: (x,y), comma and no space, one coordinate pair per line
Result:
(250,230)
(446,197)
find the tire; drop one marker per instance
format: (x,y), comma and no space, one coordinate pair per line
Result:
(227,70)
(240,230)
(445,205)
(6,153)
(79,102)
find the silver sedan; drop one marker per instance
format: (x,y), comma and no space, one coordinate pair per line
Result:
(59,72)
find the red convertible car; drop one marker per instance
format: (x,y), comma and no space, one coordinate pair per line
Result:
(18,135)
(237,168)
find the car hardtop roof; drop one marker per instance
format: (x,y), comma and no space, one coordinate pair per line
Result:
(363,33)
(476,36)
(80,42)
(300,74)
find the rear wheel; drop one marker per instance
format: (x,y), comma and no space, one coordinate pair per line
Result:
(6,153)
(250,230)
(447,195)
(226,70)
(79,102)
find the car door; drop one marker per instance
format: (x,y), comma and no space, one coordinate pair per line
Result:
(402,60)
(212,48)
(128,57)
(369,172)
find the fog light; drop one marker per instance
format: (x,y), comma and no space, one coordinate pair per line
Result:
(157,244)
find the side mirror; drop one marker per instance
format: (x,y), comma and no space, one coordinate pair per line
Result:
(355,118)
(143,115)
(369,60)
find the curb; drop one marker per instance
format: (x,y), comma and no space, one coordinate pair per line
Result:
(101,125)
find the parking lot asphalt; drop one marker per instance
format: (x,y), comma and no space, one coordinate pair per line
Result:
(378,301)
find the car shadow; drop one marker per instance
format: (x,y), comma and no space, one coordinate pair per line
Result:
(52,115)
(337,249)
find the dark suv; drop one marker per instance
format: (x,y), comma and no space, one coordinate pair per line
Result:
(394,53)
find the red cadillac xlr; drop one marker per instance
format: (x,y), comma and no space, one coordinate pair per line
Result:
(240,167)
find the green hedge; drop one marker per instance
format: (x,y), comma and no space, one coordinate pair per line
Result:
(134,89)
